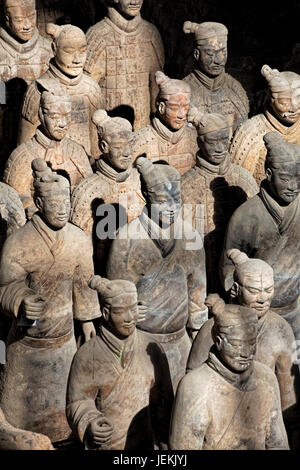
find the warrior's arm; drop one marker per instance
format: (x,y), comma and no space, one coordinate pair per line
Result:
(276,438)
(118,265)
(157,63)
(285,371)
(29,116)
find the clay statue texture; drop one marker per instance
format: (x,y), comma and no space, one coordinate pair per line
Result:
(44,271)
(165,259)
(12,215)
(12,438)
(169,137)
(230,402)
(253,287)
(267,227)
(23,52)
(119,393)
(281,114)
(214,188)
(213,90)
(124,52)
(115,183)
(65,75)
(51,144)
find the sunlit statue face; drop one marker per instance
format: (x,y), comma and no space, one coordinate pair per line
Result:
(284,181)
(70,52)
(238,347)
(129,8)
(214,145)
(165,200)
(122,315)
(118,150)
(212,56)
(56,118)
(173,111)
(286,105)
(256,290)
(21,21)
(55,208)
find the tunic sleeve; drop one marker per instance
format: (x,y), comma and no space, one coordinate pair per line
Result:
(82,390)
(157,63)
(85,300)
(276,438)
(118,266)
(189,417)
(13,287)
(284,369)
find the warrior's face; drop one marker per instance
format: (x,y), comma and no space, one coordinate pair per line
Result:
(238,347)
(122,315)
(70,52)
(286,105)
(55,207)
(118,150)
(214,146)
(165,200)
(212,56)
(129,8)
(284,181)
(21,20)
(256,290)
(56,119)
(174,110)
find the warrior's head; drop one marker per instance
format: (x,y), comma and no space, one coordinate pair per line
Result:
(253,282)
(115,139)
(282,167)
(283,95)
(128,8)
(210,46)
(173,101)
(51,194)
(20,18)
(69,48)
(119,305)
(161,189)
(213,135)
(234,333)
(55,114)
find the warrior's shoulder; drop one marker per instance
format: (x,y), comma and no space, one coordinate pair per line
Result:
(248,136)
(97,34)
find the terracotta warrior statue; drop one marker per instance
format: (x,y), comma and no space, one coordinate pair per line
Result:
(65,75)
(51,144)
(253,287)
(281,114)
(115,183)
(231,402)
(119,393)
(213,90)
(44,272)
(267,227)
(124,52)
(23,52)
(169,137)
(164,258)
(12,438)
(214,188)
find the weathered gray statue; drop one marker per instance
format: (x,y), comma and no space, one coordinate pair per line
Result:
(165,259)
(119,392)
(44,272)
(230,402)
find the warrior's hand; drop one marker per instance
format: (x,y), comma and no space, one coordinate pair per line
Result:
(143,310)
(99,431)
(33,306)
(88,329)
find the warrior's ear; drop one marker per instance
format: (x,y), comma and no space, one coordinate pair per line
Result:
(106,313)
(234,290)
(161,107)
(218,342)
(196,54)
(269,174)
(104,146)
(39,203)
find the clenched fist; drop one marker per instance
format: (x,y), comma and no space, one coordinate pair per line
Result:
(99,431)
(33,307)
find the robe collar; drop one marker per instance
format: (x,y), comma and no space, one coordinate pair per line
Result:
(105,169)
(20,48)
(165,239)
(128,26)
(54,239)
(170,136)
(122,349)
(240,381)
(53,148)
(62,77)
(208,167)
(282,215)
(212,84)
(281,128)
